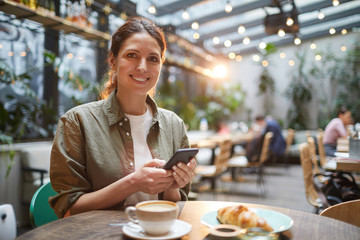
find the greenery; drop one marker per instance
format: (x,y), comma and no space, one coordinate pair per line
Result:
(299,93)
(266,82)
(344,77)
(216,105)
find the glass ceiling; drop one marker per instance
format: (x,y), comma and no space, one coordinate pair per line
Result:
(215,22)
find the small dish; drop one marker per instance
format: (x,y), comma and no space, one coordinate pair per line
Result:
(179,229)
(278,221)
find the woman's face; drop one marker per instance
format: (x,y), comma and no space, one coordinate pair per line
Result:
(138,64)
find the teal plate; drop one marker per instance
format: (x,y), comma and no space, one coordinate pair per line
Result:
(278,221)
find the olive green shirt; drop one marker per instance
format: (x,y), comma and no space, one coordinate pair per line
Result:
(93,148)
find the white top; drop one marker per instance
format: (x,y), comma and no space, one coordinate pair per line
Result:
(140,126)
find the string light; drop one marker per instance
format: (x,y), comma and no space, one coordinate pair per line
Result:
(282,55)
(232,55)
(228,7)
(70,55)
(238,58)
(0,46)
(336,3)
(317,57)
(227,43)
(332,31)
(289,21)
(321,15)
(297,41)
(246,40)
(344,31)
(313,46)
(152,9)
(195,25)
(281,32)
(291,63)
(256,58)
(241,29)
(11,54)
(262,45)
(196,35)
(107,9)
(265,63)
(216,40)
(185,15)
(343,48)
(23,54)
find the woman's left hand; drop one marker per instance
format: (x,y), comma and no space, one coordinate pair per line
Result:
(183,173)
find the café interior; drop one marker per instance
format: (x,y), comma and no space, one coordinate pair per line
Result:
(245,76)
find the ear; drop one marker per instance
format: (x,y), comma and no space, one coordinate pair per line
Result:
(112,61)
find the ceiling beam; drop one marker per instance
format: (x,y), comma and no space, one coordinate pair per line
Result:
(317,34)
(257,22)
(222,14)
(175,6)
(312,22)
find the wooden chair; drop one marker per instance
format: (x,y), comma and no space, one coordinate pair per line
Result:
(321,148)
(315,198)
(289,140)
(212,172)
(313,156)
(241,162)
(348,212)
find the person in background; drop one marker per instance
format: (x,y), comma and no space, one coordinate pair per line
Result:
(336,128)
(108,154)
(222,128)
(260,128)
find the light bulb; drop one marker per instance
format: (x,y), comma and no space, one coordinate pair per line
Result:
(216,40)
(152,9)
(336,3)
(297,41)
(289,21)
(281,32)
(321,15)
(241,29)
(195,25)
(246,40)
(227,43)
(228,7)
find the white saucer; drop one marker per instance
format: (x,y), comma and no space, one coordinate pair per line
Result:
(179,229)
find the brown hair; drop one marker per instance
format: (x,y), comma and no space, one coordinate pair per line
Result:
(132,26)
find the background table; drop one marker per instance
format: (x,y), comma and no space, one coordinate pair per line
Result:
(95,224)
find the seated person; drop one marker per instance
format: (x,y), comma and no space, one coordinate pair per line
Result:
(337,128)
(277,145)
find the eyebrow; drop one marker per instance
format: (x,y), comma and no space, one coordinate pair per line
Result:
(135,50)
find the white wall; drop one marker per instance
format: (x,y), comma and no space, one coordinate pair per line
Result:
(247,72)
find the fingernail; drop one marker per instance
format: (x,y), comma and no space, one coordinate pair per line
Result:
(179,164)
(174,173)
(174,167)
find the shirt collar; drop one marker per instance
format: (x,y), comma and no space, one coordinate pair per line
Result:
(115,113)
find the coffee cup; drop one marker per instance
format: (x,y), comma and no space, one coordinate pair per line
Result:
(156,217)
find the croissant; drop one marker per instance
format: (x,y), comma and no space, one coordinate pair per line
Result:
(241,216)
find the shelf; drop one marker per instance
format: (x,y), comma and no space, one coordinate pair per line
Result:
(51,21)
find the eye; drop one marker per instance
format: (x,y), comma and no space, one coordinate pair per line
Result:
(131,55)
(153,59)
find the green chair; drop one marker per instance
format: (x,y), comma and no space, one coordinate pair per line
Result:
(40,210)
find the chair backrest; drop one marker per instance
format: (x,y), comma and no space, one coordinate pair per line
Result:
(265,147)
(348,212)
(289,139)
(313,156)
(40,210)
(310,191)
(222,158)
(321,148)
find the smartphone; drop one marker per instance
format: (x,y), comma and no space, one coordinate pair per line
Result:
(182,155)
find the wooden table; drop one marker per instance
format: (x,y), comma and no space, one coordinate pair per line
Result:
(95,224)
(343,164)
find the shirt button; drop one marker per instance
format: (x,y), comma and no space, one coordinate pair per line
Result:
(127,134)
(131,164)
(125,119)
(120,123)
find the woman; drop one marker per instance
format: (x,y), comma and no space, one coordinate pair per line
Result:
(106,154)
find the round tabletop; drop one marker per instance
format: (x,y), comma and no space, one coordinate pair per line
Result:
(107,224)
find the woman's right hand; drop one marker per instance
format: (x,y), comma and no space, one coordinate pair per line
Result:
(151,179)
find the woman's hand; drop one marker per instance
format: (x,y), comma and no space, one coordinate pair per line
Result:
(152,180)
(183,173)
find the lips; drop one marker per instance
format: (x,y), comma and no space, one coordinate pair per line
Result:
(139,79)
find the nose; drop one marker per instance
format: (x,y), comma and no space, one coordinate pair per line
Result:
(142,65)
